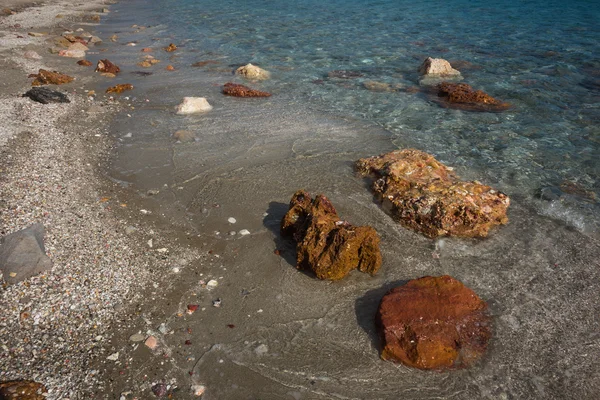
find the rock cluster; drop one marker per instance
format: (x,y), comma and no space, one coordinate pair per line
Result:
(325,244)
(119,88)
(107,66)
(22,390)
(464,97)
(234,89)
(433,323)
(45,77)
(426,196)
(253,72)
(44,95)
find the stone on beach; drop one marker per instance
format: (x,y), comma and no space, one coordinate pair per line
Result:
(107,66)
(22,254)
(433,323)
(437,67)
(119,88)
(464,97)
(184,136)
(78,46)
(44,95)
(32,55)
(22,390)
(253,72)
(192,105)
(45,77)
(236,90)
(424,195)
(72,53)
(84,63)
(328,246)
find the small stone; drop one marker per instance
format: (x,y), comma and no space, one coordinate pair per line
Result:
(261,349)
(184,136)
(159,390)
(113,357)
(32,55)
(192,105)
(107,66)
(212,284)
(191,308)
(171,48)
(198,390)
(164,329)
(37,34)
(72,53)
(120,88)
(22,390)
(231,220)
(84,63)
(113,38)
(146,50)
(137,337)
(244,232)
(236,90)
(45,77)
(437,66)
(22,254)
(170,68)
(151,342)
(217,302)
(108,75)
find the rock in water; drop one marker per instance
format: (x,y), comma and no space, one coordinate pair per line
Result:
(22,254)
(192,105)
(72,53)
(22,390)
(253,72)
(120,88)
(107,66)
(437,67)
(184,136)
(44,95)
(464,97)
(84,63)
(45,77)
(344,74)
(433,323)
(426,196)
(233,89)
(171,48)
(328,246)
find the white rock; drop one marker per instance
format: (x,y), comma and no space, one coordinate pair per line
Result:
(72,53)
(113,357)
(192,105)
(198,390)
(253,72)
(437,66)
(212,283)
(244,232)
(32,55)
(231,220)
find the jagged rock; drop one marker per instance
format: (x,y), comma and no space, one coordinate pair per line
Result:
(233,89)
(171,48)
(438,67)
(44,95)
(433,323)
(426,196)
(120,88)
(84,63)
(192,105)
(107,66)
(464,97)
(32,55)
(344,74)
(253,72)
(328,246)
(22,254)
(45,77)
(22,390)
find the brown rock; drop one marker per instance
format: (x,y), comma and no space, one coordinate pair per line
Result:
(146,50)
(433,323)
(184,136)
(108,75)
(464,97)
(107,66)
(22,390)
(84,63)
(95,18)
(114,38)
(170,68)
(171,48)
(144,64)
(424,195)
(233,89)
(120,88)
(328,246)
(204,63)
(45,77)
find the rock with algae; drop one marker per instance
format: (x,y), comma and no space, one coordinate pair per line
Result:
(326,245)
(22,390)
(120,88)
(45,77)
(237,90)
(433,323)
(426,196)
(464,97)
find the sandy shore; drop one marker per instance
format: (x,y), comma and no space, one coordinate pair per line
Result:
(54,326)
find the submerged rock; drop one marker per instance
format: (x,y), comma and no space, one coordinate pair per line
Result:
(344,74)
(171,48)
(234,89)
(253,72)
(433,323)
(22,390)
(45,77)
(426,196)
(44,95)
(84,63)
(192,105)
(107,66)
(184,136)
(326,245)
(120,88)
(464,97)
(22,254)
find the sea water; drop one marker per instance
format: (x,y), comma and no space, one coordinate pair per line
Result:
(312,339)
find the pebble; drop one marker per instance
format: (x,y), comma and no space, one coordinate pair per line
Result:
(137,337)
(231,220)
(198,390)
(176,270)
(261,349)
(232,233)
(212,284)
(217,303)
(113,357)
(151,342)
(163,328)
(244,232)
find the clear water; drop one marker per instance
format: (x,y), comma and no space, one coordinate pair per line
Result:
(250,155)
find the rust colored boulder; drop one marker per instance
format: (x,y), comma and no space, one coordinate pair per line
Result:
(325,244)
(464,97)
(45,77)
(236,90)
(171,48)
(84,63)
(433,323)
(424,195)
(107,66)
(22,390)
(119,88)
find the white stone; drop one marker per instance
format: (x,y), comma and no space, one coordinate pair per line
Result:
(244,232)
(253,72)
(113,357)
(32,55)
(437,66)
(231,220)
(72,53)
(192,105)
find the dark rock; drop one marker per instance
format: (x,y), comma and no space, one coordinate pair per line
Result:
(107,66)
(236,90)
(44,95)
(22,254)
(45,77)
(426,196)
(22,390)
(433,323)
(344,74)
(464,97)
(328,246)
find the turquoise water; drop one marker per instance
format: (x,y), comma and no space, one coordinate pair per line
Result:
(249,156)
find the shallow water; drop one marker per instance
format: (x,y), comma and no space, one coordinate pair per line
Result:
(315,339)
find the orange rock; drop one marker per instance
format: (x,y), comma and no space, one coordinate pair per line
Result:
(426,196)
(328,246)
(433,323)
(45,77)
(464,97)
(119,88)
(171,48)
(146,50)
(85,63)
(22,390)
(170,68)
(233,89)
(107,66)
(144,64)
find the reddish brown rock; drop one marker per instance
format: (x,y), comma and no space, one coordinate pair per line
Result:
(328,246)
(464,97)
(84,63)
(234,89)
(204,63)
(45,77)
(170,68)
(22,390)
(119,88)
(171,48)
(433,323)
(107,66)
(424,195)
